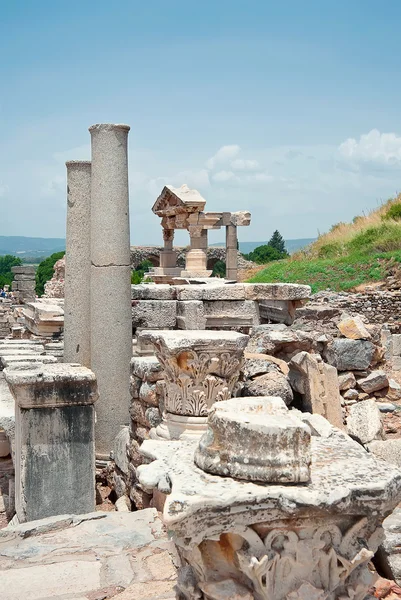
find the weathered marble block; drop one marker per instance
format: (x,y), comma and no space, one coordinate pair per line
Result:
(256,439)
(253,541)
(200,367)
(54,439)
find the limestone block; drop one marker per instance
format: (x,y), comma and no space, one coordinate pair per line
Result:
(346,381)
(147,368)
(354,328)
(7,360)
(251,356)
(54,429)
(24,270)
(231,291)
(154,314)
(120,449)
(243,438)
(321,393)
(149,291)
(273,383)
(191,314)
(396,363)
(364,422)
(350,355)
(236,312)
(279,341)
(253,367)
(377,380)
(396,344)
(276,291)
(388,450)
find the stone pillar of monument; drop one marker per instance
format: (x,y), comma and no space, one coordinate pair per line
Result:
(196,258)
(168,257)
(77,264)
(231,252)
(111,321)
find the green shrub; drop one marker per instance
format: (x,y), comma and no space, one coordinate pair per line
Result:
(138,275)
(45,271)
(394,212)
(219,269)
(6,262)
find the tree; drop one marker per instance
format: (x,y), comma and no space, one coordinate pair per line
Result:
(219,269)
(138,275)
(277,241)
(45,271)
(6,262)
(264,254)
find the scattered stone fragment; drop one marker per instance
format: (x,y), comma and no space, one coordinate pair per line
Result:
(351,394)
(377,380)
(353,328)
(394,390)
(388,450)
(364,422)
(386,407)
(350,355)
(273,383)
(346,381)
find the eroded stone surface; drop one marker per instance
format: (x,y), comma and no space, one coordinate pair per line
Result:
(256,439)
(364,421)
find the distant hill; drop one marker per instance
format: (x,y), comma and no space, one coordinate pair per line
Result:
(30,246)
(291,245)
(33,247)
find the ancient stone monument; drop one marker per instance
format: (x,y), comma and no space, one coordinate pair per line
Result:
(182,208)
(240,538)
(23,285)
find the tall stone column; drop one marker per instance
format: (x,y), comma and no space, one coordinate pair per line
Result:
(77,264)
(231,252)
(168,257)
(111,321)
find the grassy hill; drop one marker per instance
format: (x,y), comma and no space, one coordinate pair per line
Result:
(30,247)
(350,254)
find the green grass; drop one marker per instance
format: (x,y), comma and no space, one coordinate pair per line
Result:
(341,273)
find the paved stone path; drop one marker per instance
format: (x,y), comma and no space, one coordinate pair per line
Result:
(98,556)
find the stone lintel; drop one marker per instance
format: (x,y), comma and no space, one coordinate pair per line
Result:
(179,341)
(51,385)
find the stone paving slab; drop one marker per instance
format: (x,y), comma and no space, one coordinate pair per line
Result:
(88,557)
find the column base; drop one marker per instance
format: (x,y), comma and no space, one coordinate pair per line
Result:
(179,427)
(192,274)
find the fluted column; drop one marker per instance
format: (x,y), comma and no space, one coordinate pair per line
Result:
(111,322)
(77,264)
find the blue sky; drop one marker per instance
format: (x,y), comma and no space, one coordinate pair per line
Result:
(288,109)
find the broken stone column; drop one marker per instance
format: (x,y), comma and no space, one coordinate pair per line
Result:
(317,383)
(200,368)
(54,439)
(241,533)
(111,325)
(78,264)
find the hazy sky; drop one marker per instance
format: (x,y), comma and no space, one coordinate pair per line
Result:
(289,109)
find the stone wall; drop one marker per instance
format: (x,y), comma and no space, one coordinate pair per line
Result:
(377,306)
(152,253)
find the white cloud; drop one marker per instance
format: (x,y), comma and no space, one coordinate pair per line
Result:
(222,156)
(222,176)
(240,164)
(384,148)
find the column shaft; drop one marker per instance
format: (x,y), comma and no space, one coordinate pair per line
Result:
(231,252)
(77,264)
(111,321)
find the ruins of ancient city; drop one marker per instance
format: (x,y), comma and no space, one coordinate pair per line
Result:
(199,437)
